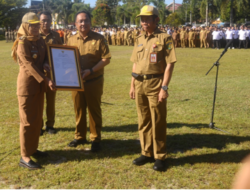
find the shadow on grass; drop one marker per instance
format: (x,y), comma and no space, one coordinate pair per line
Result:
(217,158)
(134,127)
(175,144)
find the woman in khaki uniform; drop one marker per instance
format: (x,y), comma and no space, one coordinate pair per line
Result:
(29,50)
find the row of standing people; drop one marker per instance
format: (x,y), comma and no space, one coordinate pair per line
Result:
(10,35)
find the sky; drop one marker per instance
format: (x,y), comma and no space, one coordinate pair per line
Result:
(92,2)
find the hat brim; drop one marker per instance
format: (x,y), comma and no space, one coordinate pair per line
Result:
(34,21)
(145,14)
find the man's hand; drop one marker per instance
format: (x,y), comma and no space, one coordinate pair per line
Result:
(132,92)
(163,95)
(46,67)
(85,73)
(51,84)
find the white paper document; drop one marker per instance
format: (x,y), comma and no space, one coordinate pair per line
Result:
(65,67)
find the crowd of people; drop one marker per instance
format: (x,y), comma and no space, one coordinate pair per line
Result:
(185,37)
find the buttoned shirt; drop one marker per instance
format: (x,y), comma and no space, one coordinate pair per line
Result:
(242,35)
(92,49)
(144,46)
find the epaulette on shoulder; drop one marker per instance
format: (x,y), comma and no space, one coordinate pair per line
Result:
(139,36)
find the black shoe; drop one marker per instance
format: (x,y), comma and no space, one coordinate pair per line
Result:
(30,165)
(51,130)
(75,142)
(143,160)
(95,147)
(159,165)
(41,132)
(40,154)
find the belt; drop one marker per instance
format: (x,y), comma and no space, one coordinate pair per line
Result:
(94,79)
(146,77)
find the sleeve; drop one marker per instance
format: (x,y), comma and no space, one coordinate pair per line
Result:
(105,53)
(133,57)
(169,50)
(24,55)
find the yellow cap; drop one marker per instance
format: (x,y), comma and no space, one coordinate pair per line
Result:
(30,18)
(148,10)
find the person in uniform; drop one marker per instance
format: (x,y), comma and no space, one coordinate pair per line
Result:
(15,35)
(174,36)
(122,37)
(203,38)
(154,58)
(126,41)
(118,37)
(182,37)
(50,37)
(29,51)
(191,38)
(186,38)
(94,56)
(113,37)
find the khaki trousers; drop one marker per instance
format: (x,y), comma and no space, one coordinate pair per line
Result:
(89,99)
(118,42)
(151,118)
(113,42)
(50,107)
(203,42)
(127,42)
(191,44)
(183,43)
(31,114)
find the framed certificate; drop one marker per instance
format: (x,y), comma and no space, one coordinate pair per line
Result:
(65,67)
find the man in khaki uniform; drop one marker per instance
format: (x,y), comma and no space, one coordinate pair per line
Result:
(50,37)
(118,37)
(122,37)
(153,57)
(182,37)
(113,37)
(126,41)
(94,56)
(135,34)
(191,37)
(203,38)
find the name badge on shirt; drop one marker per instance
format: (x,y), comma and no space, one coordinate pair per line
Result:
(153,57)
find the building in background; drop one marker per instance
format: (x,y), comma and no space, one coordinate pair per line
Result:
(35,5)
(170,6)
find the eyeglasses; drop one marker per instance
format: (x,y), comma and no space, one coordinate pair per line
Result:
(83,21)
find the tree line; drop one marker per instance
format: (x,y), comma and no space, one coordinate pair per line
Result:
(121,12)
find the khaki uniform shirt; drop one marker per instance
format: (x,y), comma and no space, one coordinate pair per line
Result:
(144,46)
(174,36)
(31,58)
(118,34)
(182,34)
(125,34)
(191,35)
(203,35)
(51,38)
(92,49)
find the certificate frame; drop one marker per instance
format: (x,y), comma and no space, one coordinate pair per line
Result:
(76,68)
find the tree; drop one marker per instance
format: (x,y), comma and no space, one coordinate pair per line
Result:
(64,9)
(174,20)
(10,11)
(101,15)
(123,12)
(79,7)
(161,6)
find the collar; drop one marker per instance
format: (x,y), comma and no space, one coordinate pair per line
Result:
(90,34)
(42,34)
(155,33)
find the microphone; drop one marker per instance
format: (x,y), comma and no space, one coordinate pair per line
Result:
(227,46)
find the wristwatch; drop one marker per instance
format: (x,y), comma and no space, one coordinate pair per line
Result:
(165,88)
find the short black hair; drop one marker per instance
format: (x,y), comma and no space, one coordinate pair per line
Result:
(85,12)
(47,13)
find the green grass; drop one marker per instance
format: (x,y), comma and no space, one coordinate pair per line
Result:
(198,157)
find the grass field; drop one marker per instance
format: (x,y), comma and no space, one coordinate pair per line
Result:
(198,157)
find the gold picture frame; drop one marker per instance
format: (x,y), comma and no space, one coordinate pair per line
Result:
(65,67)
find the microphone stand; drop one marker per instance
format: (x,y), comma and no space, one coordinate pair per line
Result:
(217,64)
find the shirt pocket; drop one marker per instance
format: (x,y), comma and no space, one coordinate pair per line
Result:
(159,51)
(140,52)
(93,49)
